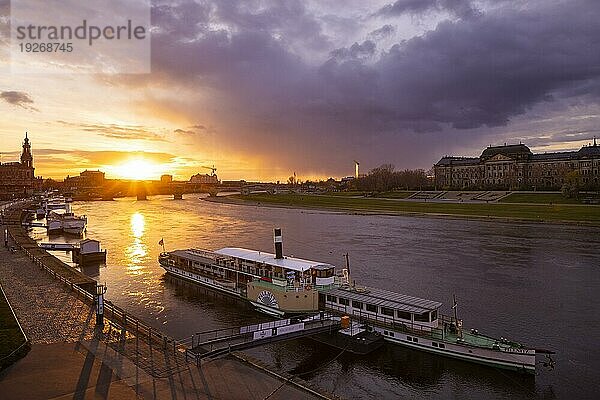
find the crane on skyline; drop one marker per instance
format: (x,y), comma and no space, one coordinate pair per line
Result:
(213,169)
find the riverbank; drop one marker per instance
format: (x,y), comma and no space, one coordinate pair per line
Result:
(588,215)
(72,357)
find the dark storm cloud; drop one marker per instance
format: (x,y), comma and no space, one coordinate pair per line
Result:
(464,74)
(363,50)
(459,8)
(382,33)
(16,98)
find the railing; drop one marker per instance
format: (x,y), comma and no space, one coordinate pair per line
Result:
(118,317)
(25,339)
(387,321)
(287,287)
(221,341)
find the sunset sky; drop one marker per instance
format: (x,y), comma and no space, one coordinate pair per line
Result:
(262,89)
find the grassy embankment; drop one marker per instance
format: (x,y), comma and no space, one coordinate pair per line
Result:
(544,198)
(386,195)
(10,336)
(531,212)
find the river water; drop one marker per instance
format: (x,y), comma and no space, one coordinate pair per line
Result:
(537,284)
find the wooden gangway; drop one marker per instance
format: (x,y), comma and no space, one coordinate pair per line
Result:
(216,343)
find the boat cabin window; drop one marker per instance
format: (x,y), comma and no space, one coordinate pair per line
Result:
(422,317)
(357,304)
(371,308)
(387,311)
(331,298)
(433,315)
(344,301)
(323,273)
(404,315)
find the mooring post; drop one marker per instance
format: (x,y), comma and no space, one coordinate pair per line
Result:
(100,290)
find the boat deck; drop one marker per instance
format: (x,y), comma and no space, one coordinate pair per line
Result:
(469,338)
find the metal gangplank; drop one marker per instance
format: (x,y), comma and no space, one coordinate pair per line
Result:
(59,246)
(215,343)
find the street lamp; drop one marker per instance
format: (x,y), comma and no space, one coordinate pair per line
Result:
(100,290)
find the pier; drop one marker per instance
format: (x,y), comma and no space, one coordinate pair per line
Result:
(216,343)
(125,358)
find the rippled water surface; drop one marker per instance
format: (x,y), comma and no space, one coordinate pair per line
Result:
(538,284)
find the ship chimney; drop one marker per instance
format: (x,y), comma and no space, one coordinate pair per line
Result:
(278,243)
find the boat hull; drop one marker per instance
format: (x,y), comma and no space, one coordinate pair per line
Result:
(214,285)
(521,362)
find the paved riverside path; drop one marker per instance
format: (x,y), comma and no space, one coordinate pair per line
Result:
(71,359)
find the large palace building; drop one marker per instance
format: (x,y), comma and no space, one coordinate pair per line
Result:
(514,167)
(17,179)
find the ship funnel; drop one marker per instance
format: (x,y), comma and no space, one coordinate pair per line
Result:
(278,243)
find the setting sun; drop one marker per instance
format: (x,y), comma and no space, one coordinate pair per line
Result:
(138,168)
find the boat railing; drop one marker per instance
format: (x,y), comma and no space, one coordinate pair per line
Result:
(383,320)
(287,287)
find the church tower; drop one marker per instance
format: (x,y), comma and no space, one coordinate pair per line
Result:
(26,156)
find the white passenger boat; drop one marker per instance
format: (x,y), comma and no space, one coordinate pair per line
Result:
(66,221)
(417,323)
(272,283)
(279,285)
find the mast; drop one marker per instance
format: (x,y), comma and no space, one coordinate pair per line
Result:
(455,306)
(347,257)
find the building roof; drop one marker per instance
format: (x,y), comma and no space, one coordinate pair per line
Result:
(458,161)
(292,263)
(564,155)
(89,241)
(386,298)
(506,150)
(589,151)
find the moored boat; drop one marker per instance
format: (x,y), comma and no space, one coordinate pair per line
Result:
(278,285)
(272,283)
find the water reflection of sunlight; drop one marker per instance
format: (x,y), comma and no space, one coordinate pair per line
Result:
(138,224)
(137,251)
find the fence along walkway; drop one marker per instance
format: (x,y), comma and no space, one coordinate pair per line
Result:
(156,353)
(215,343)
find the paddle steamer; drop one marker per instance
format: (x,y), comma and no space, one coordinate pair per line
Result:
(278,285)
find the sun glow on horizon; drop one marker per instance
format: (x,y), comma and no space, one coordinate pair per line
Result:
(138,169)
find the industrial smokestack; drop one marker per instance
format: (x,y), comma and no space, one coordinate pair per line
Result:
(278,243)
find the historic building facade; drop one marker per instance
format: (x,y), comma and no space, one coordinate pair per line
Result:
(85,180)
(514,167)
(17,179)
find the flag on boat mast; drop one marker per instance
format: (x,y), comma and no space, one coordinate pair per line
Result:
(161,242)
